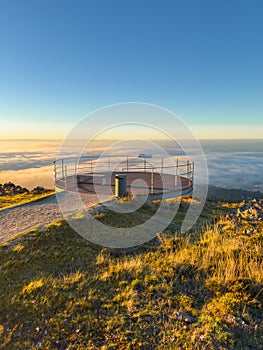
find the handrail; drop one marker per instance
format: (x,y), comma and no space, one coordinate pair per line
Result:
(94,157)
(92,164)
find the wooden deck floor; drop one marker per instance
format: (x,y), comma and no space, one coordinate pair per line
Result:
(136,182)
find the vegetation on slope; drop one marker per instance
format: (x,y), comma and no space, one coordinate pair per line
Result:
(12,195)
(200,291)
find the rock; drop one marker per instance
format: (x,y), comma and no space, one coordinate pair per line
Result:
(234,320)
(39,190)
(247,213)
(179,316)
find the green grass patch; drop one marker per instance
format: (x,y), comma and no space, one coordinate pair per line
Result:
(8,201)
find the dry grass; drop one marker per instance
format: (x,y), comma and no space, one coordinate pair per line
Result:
(193,292)
(7,201)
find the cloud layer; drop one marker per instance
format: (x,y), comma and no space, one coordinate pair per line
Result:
(230,164)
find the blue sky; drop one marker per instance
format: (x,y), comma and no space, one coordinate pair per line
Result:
(60,60)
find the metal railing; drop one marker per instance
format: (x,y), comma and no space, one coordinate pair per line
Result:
(67,167)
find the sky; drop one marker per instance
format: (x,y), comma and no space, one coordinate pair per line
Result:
(60,60)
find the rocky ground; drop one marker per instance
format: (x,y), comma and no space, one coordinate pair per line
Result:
(245,217)
(250,211)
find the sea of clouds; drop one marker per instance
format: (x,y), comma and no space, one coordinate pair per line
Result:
(236,170)
(231,164)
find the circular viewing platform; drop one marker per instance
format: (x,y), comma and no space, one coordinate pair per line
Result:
(157,177)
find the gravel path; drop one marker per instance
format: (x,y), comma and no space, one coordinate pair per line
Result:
(27,216)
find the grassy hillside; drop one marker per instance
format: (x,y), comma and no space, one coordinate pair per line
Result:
(12,195)
(201,291)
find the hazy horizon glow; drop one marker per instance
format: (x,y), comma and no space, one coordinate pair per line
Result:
(58,131)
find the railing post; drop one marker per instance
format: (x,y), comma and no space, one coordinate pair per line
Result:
(152,177)
(66,177)
(176,174)
(62,166)
(109,163)
(162,166)
(55,171)
(127,165)
(75,167)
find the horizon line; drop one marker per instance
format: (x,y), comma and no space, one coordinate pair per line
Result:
(113,139)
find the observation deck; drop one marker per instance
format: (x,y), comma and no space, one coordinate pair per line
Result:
(157,177)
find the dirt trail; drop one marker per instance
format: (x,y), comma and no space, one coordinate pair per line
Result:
(27,216)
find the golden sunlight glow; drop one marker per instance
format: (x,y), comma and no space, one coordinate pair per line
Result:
(218,132)
(40,130)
